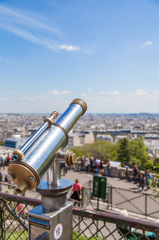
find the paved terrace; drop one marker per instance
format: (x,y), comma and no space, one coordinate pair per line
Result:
(85,177)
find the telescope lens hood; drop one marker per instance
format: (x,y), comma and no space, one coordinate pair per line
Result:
(81,103)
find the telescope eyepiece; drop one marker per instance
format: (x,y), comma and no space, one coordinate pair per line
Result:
(81,103)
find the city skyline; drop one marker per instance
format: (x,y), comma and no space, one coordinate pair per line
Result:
(105,53)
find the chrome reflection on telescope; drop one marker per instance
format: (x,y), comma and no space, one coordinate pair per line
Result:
(36,156)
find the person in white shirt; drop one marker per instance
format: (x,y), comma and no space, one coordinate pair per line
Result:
(97,166)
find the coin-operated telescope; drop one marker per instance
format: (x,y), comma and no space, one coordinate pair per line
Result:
(40,154)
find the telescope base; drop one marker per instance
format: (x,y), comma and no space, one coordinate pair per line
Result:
(50,226)
(54,198)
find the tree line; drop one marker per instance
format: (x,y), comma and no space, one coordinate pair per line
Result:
(125,151)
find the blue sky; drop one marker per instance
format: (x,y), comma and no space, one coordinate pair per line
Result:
(105,52)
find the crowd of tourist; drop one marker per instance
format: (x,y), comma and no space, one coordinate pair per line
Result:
(142,179)
(5,159)
(94,165)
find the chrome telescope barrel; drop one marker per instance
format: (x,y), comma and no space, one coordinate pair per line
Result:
(19,154)
(26,173)
(57,138)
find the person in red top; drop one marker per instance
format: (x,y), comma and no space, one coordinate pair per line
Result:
(8,159)
(76,195)
(20,209)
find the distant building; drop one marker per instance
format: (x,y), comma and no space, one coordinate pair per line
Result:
(86,137)
(79,139)
(15,142)
(74,140)
(152,156)
(104,137)
(11,143)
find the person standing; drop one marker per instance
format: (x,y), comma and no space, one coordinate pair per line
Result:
(138,178)
(148,179)
(127,171)
(3,161)
(108,167)
(76,195)
(85,163)
(91,163)
(94,166)
(82,163)
(97,166)
(142,181)
(135,172)
(8,159)
(101,167)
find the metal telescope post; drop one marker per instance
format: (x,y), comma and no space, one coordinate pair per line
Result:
(40,154)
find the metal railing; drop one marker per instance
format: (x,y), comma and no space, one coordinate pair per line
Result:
(136,202)
(87,190)
(13,214)
(99,225)
(87,224)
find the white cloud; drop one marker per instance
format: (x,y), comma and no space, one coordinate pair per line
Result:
(57,92)
(114,93)
(25,34)
(37,98)
(23,19)
(69,48)
(101,93)
(26,27)
(65,92)
(25,98)
(90,90)
(148,43)
(54,92)
(137,101)
(140,92)
(156,92)
(4,99)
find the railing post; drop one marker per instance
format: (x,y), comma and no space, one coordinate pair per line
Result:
(111,196)
(82,201)
(145,205)
(108,196)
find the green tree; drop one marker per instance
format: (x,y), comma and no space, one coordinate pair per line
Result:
(133,151)
(154,168)
(139,152)
(1,143)
(124,151)
(100,149)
